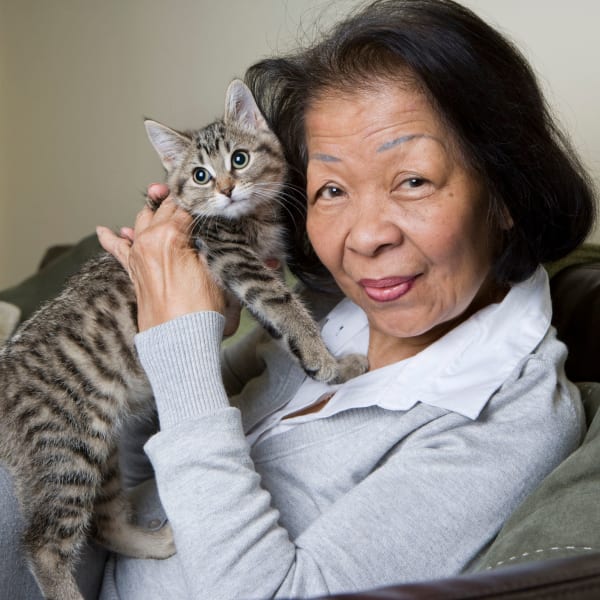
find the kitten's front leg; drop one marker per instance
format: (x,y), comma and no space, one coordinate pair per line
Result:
(284,316)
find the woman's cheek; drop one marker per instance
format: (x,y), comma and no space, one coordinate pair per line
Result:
(323,236)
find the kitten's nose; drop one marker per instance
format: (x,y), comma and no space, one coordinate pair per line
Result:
(228,190)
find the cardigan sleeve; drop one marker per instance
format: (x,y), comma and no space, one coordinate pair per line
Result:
(424,511)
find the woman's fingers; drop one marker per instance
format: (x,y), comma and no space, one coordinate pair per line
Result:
(143,219)
(165,226)
(166,212)
(148,222)
(157,192)
(127,233)
(118,246)
(169,276)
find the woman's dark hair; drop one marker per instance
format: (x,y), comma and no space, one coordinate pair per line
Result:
(484,91)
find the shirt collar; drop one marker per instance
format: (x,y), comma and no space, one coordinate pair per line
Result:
(459,372)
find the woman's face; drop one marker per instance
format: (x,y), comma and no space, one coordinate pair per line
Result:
(396,217)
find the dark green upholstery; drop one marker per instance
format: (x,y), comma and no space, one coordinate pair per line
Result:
(49,280)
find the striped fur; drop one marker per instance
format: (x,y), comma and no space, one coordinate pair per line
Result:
(70,375)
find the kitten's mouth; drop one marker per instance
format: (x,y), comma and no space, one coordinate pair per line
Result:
(234,206)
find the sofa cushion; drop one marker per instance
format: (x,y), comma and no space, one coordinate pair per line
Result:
(576,294)
(50,279)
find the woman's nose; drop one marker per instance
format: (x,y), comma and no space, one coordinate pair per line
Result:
(373,230)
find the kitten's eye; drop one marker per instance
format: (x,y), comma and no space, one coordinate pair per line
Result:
(201,175)
(240,159)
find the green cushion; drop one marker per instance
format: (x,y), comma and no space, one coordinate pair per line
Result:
(562,517)
(49,281)
(583,255)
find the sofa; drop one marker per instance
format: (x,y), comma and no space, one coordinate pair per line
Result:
(550,547)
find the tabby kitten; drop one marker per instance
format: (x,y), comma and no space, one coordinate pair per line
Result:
(70,374)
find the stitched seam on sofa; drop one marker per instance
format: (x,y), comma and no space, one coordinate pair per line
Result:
(540,551)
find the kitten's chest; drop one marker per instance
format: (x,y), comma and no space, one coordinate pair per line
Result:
(267,241)
(261,239)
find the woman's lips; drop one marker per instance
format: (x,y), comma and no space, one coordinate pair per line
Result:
(387,288)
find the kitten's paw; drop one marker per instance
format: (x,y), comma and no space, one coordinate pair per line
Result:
(161,543)
(137,542)
(332,370)
(350,366)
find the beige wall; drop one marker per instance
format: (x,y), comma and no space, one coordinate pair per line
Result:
(77,77)
(4,217)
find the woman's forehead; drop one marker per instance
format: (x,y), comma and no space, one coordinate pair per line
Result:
(382,119)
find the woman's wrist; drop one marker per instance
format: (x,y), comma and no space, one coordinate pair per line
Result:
(182,360)
(160,306)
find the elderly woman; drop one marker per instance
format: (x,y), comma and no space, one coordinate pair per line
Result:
(433,185)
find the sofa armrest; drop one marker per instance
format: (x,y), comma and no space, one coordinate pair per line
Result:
(565,579)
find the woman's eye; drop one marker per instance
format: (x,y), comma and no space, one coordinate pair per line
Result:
(415,187)
(329,192)
(240,159)
(415,182)
(201,176)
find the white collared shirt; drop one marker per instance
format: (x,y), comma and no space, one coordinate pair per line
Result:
(459,372)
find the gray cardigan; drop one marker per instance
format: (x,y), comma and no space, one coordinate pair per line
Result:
(362,499)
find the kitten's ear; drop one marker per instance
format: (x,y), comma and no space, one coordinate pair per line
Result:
(241,107)
(170,144)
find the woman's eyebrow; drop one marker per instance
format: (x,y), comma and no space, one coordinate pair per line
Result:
(391,144)
(325,157)
(405,138)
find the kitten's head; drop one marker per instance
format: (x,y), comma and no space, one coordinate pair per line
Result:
(229,168)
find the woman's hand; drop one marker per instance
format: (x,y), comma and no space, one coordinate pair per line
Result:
(169,276)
